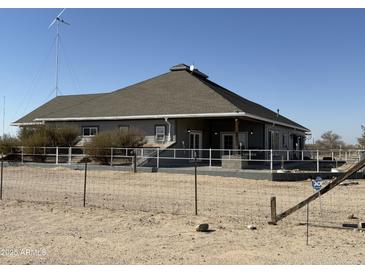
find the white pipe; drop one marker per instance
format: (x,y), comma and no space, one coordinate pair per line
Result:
(169,133)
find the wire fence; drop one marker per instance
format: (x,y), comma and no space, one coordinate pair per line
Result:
(133,188)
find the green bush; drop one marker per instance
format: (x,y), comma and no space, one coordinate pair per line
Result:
(7,143)
(99,147)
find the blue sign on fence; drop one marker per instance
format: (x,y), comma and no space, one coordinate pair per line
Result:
(317,183)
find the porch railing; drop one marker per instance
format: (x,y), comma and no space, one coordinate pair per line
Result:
(271,159)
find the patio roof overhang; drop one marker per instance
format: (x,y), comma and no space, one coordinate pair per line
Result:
(164,116)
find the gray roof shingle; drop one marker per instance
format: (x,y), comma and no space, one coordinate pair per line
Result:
(179,91)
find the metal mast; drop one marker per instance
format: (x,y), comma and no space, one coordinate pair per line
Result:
(57,21)
(57,59)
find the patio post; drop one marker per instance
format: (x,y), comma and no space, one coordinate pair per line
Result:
(271,160)
(236,137)
(317,160)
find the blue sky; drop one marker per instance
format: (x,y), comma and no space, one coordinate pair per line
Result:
(308,63)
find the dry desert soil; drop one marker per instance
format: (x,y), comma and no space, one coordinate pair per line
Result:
(148,218)
(46,233)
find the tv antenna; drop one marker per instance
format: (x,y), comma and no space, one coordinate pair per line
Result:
(57,21)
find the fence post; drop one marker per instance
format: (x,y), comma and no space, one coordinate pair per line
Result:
(308,224)
(111,156)
(1,176)
(273,210)
(22,156)
(287,155)
(85,178)
(134,161)
(196,183)
(210,157)
(271,160)
(249,155)
(158,158)
(359,155)
(56,155)
(317,160)
(69,155)
(302,155)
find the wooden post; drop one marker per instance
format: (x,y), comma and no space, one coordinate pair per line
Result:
(324,190)
(196,183)
(22,154)
(273,210)
(307,224)
(1,176)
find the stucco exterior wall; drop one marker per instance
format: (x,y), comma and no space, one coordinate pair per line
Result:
(146,126)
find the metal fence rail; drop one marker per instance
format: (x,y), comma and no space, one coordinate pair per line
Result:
(310,160)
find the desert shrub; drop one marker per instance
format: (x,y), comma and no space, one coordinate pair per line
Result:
(35,137)
(99,146)
(45,135)
(7,143)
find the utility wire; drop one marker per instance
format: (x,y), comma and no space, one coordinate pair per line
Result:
(30,91)
(69,66)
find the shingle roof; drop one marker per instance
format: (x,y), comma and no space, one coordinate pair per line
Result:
(179,91)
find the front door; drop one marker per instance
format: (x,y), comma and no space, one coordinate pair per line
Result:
(195,143)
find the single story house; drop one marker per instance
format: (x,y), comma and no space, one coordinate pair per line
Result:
(179,109)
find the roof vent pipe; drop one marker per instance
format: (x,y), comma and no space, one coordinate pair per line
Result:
(277,112)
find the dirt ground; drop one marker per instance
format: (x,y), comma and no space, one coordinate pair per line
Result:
(46,233)
(148,218)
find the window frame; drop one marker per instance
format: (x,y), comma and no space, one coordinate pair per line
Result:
(127,127)
(156,136)
(89,127)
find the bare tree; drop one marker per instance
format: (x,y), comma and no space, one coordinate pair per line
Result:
(330,140)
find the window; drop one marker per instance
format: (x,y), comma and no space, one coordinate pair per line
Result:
(89,131)
(160,132)
(124,128)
